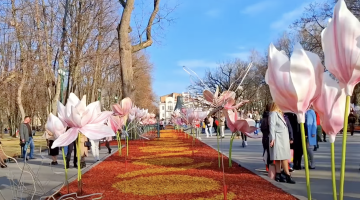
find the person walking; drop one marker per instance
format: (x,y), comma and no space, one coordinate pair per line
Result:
(26,137)
(291,138)
(210,125)
(95,149)
(352,120)
(257,121)
(279,144)
(222,125)
(107,143)
(266,131)
(215,124)
(311,133)
(318,131)
(50,138)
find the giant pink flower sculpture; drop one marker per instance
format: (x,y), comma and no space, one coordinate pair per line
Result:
(340,41)
(330,106)
(236,124)
(124,108)
(55,125)
(87,119)
(230,104)
(294,84)
(215,100)
(115,123)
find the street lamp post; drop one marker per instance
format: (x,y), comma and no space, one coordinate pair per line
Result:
(62,75)
(99,94)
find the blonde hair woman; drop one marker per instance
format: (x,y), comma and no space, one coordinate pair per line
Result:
(279,143)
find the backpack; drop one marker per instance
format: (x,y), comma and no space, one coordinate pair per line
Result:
(265,126)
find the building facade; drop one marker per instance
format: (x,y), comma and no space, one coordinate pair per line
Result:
(167,106)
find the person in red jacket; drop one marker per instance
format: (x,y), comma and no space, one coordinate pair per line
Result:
(318,131)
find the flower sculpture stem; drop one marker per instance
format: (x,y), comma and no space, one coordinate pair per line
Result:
(333,175)
(218,146)
(230,149)
(66,171)
(78,162)
(127,145)
(118,138)
(343,156)
(303,141)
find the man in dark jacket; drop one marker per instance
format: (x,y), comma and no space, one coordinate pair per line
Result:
(26,137)
(296,145)
(352,120)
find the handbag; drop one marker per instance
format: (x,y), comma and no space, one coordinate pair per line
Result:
(291,156)
(87,144)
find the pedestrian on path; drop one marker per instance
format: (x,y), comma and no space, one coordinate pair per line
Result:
(291,138)
(107,143)
(318,131)
(352,120)
(296,145)
(265,131)
(50,138)
(310,132)
(222,125)
(257,121)
(26,137)
(279,144)
(208,129)
(95,149)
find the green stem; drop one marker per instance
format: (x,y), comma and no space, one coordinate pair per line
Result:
(343,156)
(230,149)
(333,175)
(303,141)
(66,171)
(127,145)
(218,147)
(118,138)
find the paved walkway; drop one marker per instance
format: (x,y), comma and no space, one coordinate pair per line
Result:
(50,178)
(250,157)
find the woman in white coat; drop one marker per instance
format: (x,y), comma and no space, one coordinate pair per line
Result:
(95,149)
(279,144)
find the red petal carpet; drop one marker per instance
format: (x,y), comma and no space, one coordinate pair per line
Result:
(173,167)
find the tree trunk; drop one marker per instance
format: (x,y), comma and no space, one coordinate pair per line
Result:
(125,50)
(61,62)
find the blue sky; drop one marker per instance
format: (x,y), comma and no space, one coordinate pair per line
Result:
(208,32)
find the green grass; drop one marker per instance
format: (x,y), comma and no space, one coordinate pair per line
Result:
(12,147)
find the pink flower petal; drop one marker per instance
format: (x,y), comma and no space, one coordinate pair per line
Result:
(90,113)
(55,125)
(101,118)
(67,138)
(97,131)
(208,96)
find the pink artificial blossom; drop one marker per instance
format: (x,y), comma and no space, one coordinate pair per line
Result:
(330,106)
(340,42)
(87,119)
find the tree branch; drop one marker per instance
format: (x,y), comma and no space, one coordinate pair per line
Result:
(123,3)
(149,41)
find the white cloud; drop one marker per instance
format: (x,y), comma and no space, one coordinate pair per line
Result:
(289,17)
(243,55)
(196,63)
(258,7)
(213,13)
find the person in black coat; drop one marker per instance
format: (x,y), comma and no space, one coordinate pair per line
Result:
(296,144)
(291,138)
(264,127)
